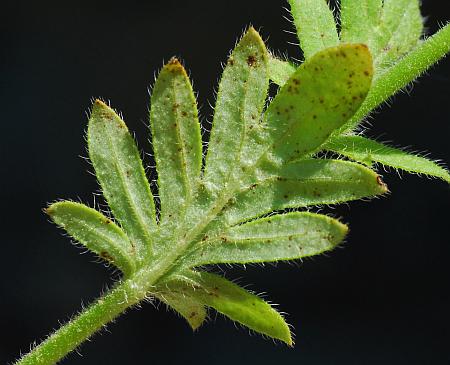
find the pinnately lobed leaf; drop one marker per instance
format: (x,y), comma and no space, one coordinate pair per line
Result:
(258,164)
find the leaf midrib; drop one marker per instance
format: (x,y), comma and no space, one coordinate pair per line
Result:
(183,151)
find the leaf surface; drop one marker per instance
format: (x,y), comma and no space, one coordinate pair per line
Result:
(119,170)
(95,231)
(368,151)
(280,71)
(320,97)
(240,100)
(402,26)
(280,237)
(176,139)
(316,27)
(236,303)
(304,183)
(361,23)
(193,311)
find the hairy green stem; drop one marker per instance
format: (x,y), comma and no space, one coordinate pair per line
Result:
(404,72)
(92,319)
(80,328)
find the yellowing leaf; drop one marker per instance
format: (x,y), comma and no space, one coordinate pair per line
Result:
(319,97)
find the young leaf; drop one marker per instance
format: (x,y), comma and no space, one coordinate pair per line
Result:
(280,237)
(402,26)
(119,170)
(301,184)
(192,310)
(240,100)
(176,139)
(320,97)
(280,71)
(361,23)
(95,231)
(236,303)
(315,25)
(368,151)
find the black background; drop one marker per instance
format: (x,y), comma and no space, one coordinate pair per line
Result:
(381,299)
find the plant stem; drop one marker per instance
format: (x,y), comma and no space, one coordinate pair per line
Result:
(401,74)
(84,325)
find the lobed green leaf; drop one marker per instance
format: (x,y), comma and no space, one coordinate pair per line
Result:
(367,151)
(304,183)
(316,27)
(176,139)
(119,170)
(280,237)
(236,303)
(240,100)
(95,231)
(320,97)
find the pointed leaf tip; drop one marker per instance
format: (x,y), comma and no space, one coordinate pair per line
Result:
(176,138)
(175,66)
(236,303)
(119,169)
(96,232)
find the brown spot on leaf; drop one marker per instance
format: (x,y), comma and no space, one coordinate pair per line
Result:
(106,256)
(252,61)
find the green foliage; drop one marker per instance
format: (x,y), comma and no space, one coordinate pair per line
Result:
(392,30)
(177,141)
(315,25)
(262,167)
(368,152)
